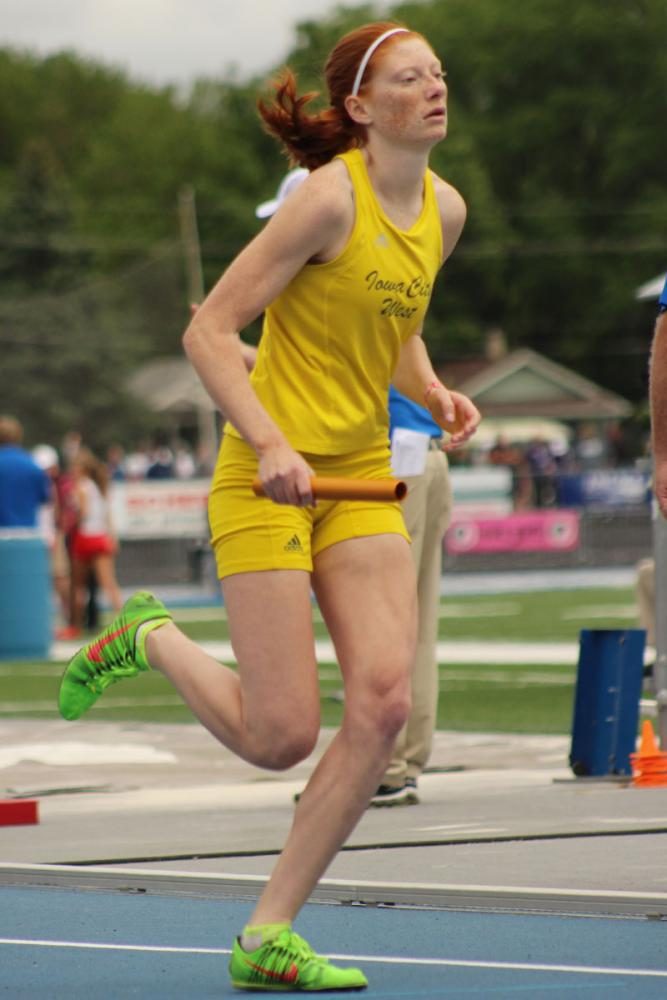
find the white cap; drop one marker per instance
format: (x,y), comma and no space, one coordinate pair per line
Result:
(288,184)
(45,457)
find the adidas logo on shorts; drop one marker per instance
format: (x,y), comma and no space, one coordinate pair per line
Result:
(294,545)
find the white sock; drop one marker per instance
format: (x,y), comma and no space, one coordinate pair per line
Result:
(253,938)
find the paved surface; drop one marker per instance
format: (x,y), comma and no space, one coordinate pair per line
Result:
(180,835)
(497,812)
(57,944)
(503,811)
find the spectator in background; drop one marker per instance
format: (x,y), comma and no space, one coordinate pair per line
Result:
(162,461)
(658,403)
(419,459)
(658,399)
(116,462)
(24,487)
(542,470)
(71,446)
(72,441)
(93,545)
(204,462)
(504,453)
(137,463)
(184,463)
(619,448)
(47,459)
(590,449)
(645,590)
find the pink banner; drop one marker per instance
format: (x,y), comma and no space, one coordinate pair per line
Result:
(537,531)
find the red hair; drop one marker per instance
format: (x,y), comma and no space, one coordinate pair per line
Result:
(311,139)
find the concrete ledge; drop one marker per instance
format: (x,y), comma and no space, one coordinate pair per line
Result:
(540,900)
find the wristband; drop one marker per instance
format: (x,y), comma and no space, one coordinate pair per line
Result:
(430,387)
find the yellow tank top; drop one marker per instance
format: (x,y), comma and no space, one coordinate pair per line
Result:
(330,341)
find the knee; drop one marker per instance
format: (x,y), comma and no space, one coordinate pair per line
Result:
(383,707)
(283,745)
(394,713)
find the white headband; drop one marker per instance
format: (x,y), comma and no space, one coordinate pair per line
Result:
(367,56)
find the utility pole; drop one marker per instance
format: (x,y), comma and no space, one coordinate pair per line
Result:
(187,214)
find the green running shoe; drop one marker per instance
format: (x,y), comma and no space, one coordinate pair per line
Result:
(289,963)
(115,654)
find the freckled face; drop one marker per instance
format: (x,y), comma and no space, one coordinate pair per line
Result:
(406,94)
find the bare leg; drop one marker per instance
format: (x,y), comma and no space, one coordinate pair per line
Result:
(61,577)
(366,592)
(77,584)
(268,712)
(62,588)
(103,568)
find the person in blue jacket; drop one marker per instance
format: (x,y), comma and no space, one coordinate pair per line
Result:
(24,487)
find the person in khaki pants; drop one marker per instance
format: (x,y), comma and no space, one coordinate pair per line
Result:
(658,402)
(645,590)
(427,509)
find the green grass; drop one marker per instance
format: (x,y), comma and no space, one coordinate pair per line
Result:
(514,699)
(555,616)
(484,697)
(30,690)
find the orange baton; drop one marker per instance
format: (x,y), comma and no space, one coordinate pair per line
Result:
(337,488)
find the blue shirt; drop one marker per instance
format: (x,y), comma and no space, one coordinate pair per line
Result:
(24,487)
(662,301)
(411,416)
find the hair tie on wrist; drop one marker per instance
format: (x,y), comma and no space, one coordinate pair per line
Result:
(430,387)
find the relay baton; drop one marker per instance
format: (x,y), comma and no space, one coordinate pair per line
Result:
(337,488)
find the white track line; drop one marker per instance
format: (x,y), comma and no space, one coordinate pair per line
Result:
(599,970)
(448,651)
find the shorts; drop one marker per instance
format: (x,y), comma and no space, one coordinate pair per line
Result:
(87,547)
(251,534)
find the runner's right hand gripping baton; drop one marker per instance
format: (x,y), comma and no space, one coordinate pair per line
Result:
(337,488)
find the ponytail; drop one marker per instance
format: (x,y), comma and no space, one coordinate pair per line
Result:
(310,139)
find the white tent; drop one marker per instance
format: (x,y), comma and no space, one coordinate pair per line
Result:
(521,430)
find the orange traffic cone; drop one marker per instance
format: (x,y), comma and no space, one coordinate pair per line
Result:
(648,746)
(649,766)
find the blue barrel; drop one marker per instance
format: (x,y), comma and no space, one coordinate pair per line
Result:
(606,707)
(25,595)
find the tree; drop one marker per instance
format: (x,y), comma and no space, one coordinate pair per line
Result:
(63,367)
(559,101)
(556,143)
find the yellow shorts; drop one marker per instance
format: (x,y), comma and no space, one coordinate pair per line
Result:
(250,533)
